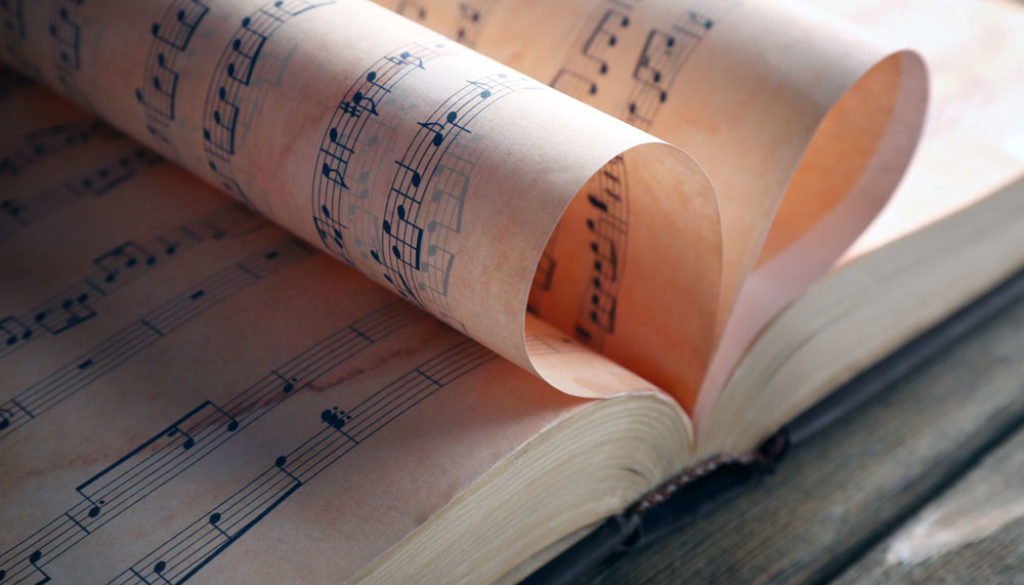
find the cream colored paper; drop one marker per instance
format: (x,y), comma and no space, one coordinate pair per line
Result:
(437,172)
(803,124)
(73,220)
(208,344)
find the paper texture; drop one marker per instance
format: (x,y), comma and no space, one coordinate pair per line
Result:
(426,166)
(803,124)
(182,388)
(190,390)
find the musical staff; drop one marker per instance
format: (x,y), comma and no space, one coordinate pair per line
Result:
(581,73)
(117,267)
(171,36)
(427,195)
(349,133)
(12,14)
(663,56)
(537,345)
(544,275)
(233,78)
(117,349)
(45,143)
(16,213)
(608,223)
(194,436)
(66,42)
(186,553)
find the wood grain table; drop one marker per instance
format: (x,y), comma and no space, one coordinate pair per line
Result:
(924,484)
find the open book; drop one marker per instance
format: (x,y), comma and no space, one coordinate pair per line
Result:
(454,312)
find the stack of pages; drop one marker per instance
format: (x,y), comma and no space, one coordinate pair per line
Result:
(324,291)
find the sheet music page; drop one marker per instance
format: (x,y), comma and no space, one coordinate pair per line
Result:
(420,163)
(185,396)
(803,123)
(188,387)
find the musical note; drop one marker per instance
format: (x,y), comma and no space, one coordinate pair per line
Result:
(410,222)
(344,430)
(13,331)
(602,313)
(333,175)
(235,71)
(664,55)
(350,131)
(604,36)
(228,121)
(96,183)
(117,267)
(66,33)
(246,47)
(406,58)
(330,231)
(295,7)
(123,260)
(111,175)
(406,239)
(158,323)
(160,459)
(359,104)
(543,276)
(165,82)
(470,20)
(607,221)
(221,165)
(699,20)
(33,559)
(171,37)
(188,441)
(335,418)
(39,145)
(574,84)
(452,178)
(66,312)
(186,17)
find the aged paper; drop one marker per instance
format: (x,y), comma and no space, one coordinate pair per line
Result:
(803,124)
(183,393)
(423,165)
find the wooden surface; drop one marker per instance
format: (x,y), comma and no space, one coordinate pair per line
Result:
(923,485)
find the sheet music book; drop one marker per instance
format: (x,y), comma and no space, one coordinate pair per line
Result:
(329,291)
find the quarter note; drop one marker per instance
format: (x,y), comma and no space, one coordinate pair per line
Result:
(33,559)
(371,78)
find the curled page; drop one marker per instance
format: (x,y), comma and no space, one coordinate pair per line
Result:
(435,171)
(803,124)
